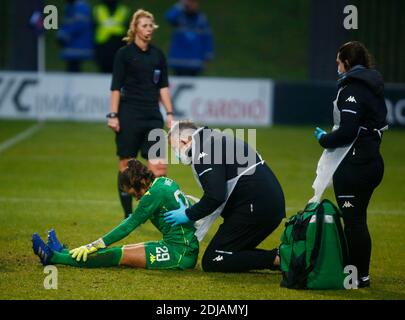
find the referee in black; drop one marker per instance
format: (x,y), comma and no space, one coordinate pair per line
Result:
(139,82)
(359,116)
(246,193)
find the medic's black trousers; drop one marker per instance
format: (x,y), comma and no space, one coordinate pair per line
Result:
(254,210)
(354,183)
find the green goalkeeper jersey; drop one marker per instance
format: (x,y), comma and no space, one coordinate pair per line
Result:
(163,195)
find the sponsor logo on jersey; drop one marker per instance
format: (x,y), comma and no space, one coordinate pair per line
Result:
(152,258)
(202,155)
(218,258)
(351,99)
(347,204)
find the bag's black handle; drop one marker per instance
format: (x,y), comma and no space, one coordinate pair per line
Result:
(302,280)
(320,216)
(342,239)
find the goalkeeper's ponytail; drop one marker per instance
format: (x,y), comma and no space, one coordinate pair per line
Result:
(136,176)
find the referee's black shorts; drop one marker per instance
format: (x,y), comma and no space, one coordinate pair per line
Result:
(135,126)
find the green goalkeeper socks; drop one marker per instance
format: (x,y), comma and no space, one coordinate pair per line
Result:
(108,257)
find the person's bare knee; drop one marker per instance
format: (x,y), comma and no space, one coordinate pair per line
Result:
(132,246)
(134,256)
(158,167)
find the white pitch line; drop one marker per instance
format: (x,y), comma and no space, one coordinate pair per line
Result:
(112,202)
(48,200)
(373,211)
(21,136)
(83,201)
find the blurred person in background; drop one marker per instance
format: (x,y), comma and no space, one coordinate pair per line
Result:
(192,42)
(76,35)
(360,119)
(139,82)
(110,20)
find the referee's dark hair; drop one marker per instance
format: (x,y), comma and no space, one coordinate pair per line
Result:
(353,53)
(136,176)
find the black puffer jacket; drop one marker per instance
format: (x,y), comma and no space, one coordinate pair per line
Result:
(361,104)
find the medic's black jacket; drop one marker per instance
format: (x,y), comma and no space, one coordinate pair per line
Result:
(361,104)
(258,194)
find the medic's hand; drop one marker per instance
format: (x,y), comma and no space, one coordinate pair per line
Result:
(318,133)
(178,216)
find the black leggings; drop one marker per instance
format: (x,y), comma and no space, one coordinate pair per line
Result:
(233,248)
(354,185)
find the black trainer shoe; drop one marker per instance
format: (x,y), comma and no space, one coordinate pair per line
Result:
(277,267)
(364,282)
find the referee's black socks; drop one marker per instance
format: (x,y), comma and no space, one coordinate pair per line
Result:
(125,198)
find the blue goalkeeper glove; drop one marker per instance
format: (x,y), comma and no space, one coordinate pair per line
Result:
(178,216)
(319,133)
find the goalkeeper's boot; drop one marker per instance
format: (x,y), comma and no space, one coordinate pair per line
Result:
(53,241)
(41,249)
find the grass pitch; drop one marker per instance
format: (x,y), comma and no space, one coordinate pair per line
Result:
(64,177)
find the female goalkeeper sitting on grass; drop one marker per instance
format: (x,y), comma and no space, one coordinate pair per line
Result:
(177,250)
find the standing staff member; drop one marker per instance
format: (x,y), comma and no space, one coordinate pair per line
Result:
(360,117)
(76,35)
(192,44)
(139,81)
(110,21)
(247,195)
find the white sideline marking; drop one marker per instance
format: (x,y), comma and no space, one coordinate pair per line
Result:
(21,136)
(290,210)
(49,200)
(293,210)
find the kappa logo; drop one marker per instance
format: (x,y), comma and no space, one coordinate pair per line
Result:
(152,258)
(218,258)
(202,155)
(347,204)
(351,99)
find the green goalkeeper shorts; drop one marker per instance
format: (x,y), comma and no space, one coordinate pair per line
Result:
(161,255)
